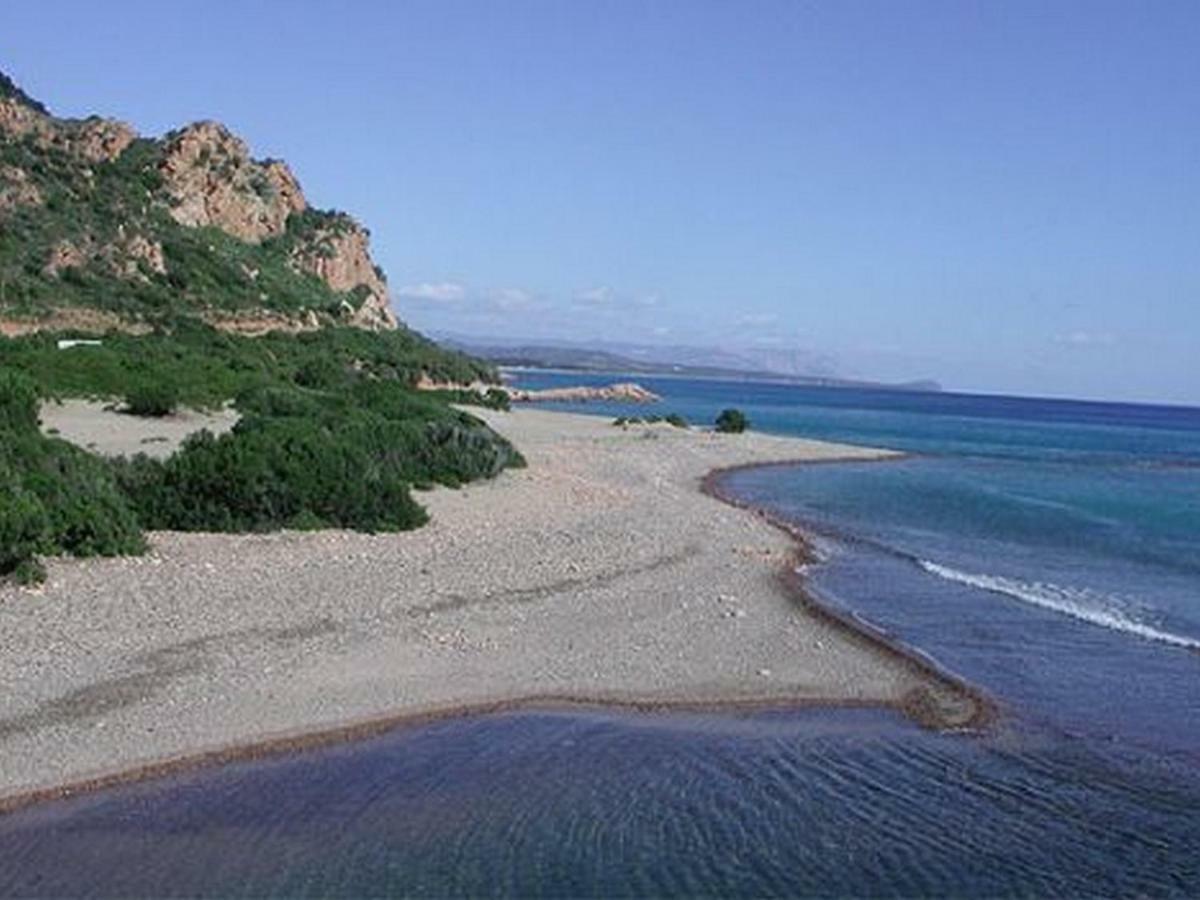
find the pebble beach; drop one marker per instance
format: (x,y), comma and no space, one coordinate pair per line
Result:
(600,574)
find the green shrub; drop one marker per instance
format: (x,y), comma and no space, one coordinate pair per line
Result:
(24,526)
(321,373)
(269,400)
(732,421)
(152,398)
(29,572)
(344,459)
(59,499)
(207,367)
(492,398)
(274,474)
(497,399)
(18,403)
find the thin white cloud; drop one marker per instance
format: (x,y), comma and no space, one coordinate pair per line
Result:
(1085,339)
(597,296)
(758,320)
(511,299)
(434,292)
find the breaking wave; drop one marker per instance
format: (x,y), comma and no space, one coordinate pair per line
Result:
(1079,603)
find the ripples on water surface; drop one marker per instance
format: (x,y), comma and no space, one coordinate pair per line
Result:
(829,803)
(1049,552)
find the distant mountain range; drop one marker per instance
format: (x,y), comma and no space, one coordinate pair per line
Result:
(754,364)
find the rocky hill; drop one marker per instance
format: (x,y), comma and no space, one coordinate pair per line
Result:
(101,228)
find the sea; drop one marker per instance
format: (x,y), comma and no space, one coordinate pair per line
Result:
(1047,551)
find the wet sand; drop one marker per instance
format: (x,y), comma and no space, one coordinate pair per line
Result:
(601,574)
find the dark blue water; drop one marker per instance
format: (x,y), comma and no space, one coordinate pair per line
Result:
(1047,551)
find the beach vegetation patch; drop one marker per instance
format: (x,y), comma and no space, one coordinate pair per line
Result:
(308,459)
(152,398)
(207,367)
(491,398)
(731,421)
(673,419)
(54,497)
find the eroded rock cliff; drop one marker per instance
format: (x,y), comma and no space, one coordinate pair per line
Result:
(96,216)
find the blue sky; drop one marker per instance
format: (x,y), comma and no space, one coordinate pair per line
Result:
(1001,195)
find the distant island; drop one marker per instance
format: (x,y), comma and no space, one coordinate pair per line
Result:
(582,358)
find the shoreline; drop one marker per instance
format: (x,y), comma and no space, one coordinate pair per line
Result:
(985,710)
(934,698)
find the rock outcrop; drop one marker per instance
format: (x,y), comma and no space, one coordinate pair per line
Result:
(338,254)
(624,392)
(136,257)
(621,392)
(99,194)
(65,255)
(16,189)
(91,140)
(100,140)
(213,181)
(19,120)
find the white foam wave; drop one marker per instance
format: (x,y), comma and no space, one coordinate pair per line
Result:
(1088,606)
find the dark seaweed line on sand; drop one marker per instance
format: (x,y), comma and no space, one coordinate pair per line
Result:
(919,705)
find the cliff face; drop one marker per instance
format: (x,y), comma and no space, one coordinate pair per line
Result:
(212,180)
(91,215)
(91,140)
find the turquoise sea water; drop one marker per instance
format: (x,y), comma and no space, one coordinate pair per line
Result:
(1047,551)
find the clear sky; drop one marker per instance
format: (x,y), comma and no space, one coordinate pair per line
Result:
(1001,195)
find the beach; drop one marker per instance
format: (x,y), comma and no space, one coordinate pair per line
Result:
(600,574)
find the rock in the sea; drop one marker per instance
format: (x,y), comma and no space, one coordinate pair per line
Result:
(626,392)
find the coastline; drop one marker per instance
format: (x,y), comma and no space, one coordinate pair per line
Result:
(921,708)
(771,618)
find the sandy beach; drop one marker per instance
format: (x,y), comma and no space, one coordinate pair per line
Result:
(602,573)
(104,429)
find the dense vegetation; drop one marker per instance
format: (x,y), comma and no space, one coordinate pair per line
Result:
(732,421)
(54,498)
(206,367)
(331,435)
(332,431)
